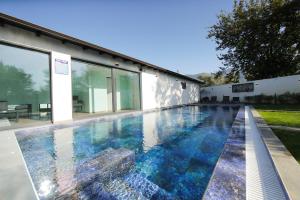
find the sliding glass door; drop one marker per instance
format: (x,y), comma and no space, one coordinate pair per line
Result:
(24,86)
(127,90)
(91,88)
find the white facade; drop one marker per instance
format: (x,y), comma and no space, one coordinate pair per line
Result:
(158,88)
(279,85)
(61,96)
(162,90)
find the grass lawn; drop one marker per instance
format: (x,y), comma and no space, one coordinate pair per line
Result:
(291,140)
(284,115)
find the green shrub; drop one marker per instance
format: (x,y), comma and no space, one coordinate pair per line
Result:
(289,98)
(249,99)
(286,98)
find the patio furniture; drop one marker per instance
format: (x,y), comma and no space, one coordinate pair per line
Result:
(205,100)
(24,110)
(213,99)
(226,99)
(20,110)
(235,100)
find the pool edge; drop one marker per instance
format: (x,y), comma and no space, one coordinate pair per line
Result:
(226,184)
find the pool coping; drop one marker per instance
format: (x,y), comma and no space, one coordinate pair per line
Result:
(228,180)
(15,180)
(285,164)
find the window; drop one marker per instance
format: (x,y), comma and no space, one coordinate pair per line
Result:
(24,86)
(127,90)
(245,87)
(91,88)
(183,85)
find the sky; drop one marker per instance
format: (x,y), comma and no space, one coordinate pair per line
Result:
(169,33)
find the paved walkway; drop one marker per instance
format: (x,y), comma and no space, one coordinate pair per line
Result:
(15,182)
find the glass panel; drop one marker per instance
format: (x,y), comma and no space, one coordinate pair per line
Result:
(127,90)
(24,86)
(91,87)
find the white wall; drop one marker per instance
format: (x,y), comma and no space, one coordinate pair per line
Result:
(163,90)
(61,89)
(278,85)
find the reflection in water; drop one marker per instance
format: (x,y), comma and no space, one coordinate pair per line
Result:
(64,162)
(150,131)
(160,155)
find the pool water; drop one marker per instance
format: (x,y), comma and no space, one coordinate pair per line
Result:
(169,154)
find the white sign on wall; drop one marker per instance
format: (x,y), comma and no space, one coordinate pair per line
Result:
(61,66)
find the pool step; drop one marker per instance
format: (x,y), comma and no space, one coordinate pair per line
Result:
(122,191)
(136,186)
(110,164)
(141,184)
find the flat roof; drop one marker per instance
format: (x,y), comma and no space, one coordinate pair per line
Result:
(39,30)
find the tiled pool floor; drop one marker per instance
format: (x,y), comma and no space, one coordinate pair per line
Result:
(161,155)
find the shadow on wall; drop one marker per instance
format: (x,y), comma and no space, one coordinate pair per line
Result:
(169,92)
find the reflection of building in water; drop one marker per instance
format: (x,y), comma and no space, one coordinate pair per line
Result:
(194,116)
(101,131)
(150,131)
(179,118)
(63,144)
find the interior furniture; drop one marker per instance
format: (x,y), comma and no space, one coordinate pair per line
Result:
(77,104)
(44,110)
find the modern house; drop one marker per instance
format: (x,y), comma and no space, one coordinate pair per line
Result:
(46,76)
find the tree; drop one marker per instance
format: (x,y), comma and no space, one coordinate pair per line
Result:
(211,79)
(15,84)
(261,38)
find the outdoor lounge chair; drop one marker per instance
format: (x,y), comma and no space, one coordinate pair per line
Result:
(213,99)
(235,100)
(205,100)
(24,110)
(226,99)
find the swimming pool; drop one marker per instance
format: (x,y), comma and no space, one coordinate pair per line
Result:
(169,154)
